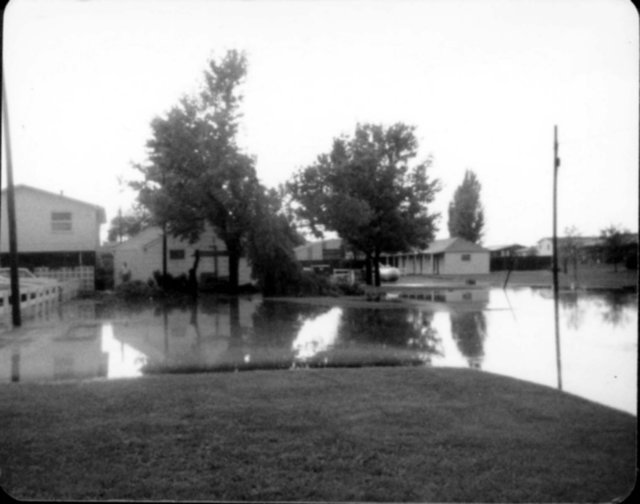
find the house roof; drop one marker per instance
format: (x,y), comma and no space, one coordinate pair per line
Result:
(454,244)
(102,217)
(143,239)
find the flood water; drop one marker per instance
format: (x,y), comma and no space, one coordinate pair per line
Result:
(509,332)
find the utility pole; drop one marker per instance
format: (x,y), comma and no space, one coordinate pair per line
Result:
(11,218)
(556,165)
(164,236)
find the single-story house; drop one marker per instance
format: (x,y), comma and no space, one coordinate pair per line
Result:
(57,236)
(143,256)
(452,256)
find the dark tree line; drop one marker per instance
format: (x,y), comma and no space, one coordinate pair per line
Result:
(370,191)
(369,188)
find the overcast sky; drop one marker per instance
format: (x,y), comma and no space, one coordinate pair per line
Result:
(484,82)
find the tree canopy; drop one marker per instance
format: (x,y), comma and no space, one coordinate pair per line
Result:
(614,244)
(270,246)
(369,191)
(196,174)
(466,215)
(128,224)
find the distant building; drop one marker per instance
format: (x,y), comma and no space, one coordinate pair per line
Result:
(57,236)
(545,245)
(452,256)
(321,252)
(143,255)
(514,249)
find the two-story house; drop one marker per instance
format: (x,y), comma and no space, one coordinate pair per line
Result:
(57,236)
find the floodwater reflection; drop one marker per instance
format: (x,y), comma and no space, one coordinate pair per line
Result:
(317,334)
(505,332)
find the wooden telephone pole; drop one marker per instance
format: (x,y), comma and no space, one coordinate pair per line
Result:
(556,164)
(11,218)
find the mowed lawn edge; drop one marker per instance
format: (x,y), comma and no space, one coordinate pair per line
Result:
(369,434)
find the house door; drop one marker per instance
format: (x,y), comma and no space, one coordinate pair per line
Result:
(436,264)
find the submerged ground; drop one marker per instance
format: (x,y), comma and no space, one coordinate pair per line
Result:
(369,434)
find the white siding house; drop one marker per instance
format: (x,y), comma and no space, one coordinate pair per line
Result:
(57,236)
(323,250)
(453,256)
(143,255)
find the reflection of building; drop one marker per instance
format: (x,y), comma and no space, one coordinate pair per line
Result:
(480,296)
(57,236)
(143,255)
(75,354)
(191,336)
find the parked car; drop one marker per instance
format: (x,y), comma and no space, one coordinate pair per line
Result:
(389,273)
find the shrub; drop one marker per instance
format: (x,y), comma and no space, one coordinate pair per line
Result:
(346,289)
(136,289)
(170,283)
(314,284)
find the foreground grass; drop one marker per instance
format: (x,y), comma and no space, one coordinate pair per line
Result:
(383,434)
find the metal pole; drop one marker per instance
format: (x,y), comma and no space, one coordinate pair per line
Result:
(11,218)
(556,164)
(164,236)
(164,253)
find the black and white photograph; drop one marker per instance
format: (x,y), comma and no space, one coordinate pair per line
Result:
(319,250)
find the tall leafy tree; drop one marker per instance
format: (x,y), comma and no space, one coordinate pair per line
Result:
(570,249)
(369,191)
(270,246)
(466,215)
(196,174)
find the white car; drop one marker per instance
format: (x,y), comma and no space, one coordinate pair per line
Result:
(389,273)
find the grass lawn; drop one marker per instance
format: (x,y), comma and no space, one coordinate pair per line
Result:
(370,434)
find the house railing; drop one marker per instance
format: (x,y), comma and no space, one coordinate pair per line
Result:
(84,274)
(34,296)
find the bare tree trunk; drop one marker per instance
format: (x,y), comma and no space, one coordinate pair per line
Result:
(234,250)
(234,264)
(367,268)
(376,266)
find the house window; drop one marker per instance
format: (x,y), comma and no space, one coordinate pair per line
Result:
(61,221)
(466,257)
(176,254)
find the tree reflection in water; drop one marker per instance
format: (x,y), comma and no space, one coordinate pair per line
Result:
(616,304)
(277,324)
(469,330)
(425,338)
(574,311)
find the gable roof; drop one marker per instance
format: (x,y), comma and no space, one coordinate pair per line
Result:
(102,217)
(143,239)
(454,244)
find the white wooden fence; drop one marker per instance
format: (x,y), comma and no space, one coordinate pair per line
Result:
(85,275)
(33,295)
